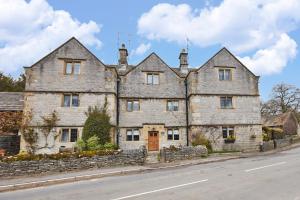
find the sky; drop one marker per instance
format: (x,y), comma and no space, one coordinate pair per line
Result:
(263,34)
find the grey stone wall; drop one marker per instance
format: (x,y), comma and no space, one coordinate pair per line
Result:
(244,142)
(21,168)
(207,110)
(152,111)
(183,153)
(267,146)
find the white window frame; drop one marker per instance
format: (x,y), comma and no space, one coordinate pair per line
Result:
(71,103)
(222,74)
(132,107)
(228,129)
(69,134)
(72,63)
(132,133)
(225,106)
(172,132)
(150,78)
(172,106)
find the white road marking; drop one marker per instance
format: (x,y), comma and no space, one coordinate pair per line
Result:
(159,190)
(262,167)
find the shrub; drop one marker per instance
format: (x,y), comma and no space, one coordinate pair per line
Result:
(266,137)
(97,124)
(110,146)
(93,143)
(80,145)
(200,139)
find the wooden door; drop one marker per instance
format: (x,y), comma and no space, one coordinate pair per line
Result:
(153,144)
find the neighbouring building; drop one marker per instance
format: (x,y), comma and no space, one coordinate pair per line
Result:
(150,103)
(287,122)
(11,107)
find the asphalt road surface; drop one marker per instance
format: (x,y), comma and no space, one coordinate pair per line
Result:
(273,177)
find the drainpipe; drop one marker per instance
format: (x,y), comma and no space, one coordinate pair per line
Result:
(118,111)
(186,112)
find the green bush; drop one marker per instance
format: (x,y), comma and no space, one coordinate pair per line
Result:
(110,146)
(200,139)
(93,143)
(97,124)
(80,145)
(266,137)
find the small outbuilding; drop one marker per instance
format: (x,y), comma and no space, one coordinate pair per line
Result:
(11,108)
(287,122)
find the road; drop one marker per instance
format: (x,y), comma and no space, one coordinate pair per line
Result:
(273,177)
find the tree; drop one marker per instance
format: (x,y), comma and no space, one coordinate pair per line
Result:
(49,123)
(10,122)
(284,98)
(97,124)
(29,135)
(8,84)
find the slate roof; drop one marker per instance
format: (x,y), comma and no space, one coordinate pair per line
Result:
(277,120)
(11,101)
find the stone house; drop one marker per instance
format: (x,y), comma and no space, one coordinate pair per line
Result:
(287,122)
(150,103)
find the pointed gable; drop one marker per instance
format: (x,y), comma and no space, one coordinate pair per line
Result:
(153,63)
(48,74)
(224,58)
(206,79)
(134,82)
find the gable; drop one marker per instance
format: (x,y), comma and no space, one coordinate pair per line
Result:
(153,63)
(224,58)
(71,49)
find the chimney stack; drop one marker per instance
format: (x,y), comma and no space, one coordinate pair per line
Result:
(123,55)
(183,57)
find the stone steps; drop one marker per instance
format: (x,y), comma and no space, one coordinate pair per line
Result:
(152,157)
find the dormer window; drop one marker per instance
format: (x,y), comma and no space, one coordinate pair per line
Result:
(72,67)
(152,78)
(225,75)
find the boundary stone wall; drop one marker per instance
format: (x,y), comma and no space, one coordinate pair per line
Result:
(25,168)
(183,153)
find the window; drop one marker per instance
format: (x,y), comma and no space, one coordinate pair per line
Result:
(67,100)
(228,132)
(69,135)
(173,134)
(132,135)
(72,67)
(65,135)
(152,79)
(225,75)
(133,105)
(172,105)
(226,102)
(71,100)
(74,135)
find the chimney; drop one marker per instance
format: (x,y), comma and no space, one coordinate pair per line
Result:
(123,55)
(183,57)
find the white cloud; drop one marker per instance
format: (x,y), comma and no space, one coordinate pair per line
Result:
(274,58)
(141,49)
(30,30)
(243,26)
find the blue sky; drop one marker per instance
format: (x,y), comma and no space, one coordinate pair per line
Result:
(263,34)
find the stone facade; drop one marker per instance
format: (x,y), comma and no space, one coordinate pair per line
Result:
(154,87)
